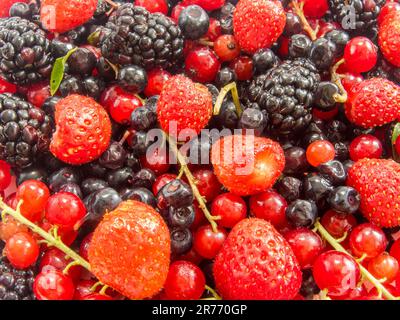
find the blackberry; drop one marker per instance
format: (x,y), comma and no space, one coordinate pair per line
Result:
(366,14)
(286,92)
(25,54)
(135,36)
(15,284)
(25,131)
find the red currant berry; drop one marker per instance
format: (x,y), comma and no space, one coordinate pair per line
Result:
(395,250)
(207,242)
(202,65)
(191,256)
(155,81)
(283,49)
(315,8)
(37,93)
(270,206)
(97,296)
(365,146)
(338,224)
(319,152)
(10,227)
(11,200)
(384,267)
(34,195)
(156,161)
(374,293)
(176,11)
(214,30)
(84,247)
(360,55)
(5,175)
(83,289)
(67,236)
(243,68)
(185,281)
(325,115)
(387,9)
(226,47)
(22,250)
(209,5)
(306,245)
(7,87)
(367,240)
(162,180)
(350,79)
(53,285)
(153,5)
(207,183)
(336,272)
(199,217)
(230,207)
(325,27)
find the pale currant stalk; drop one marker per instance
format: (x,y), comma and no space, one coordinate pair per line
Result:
(231,87)
(335,78)
(215,295)
(184,168)
(298,10)
(366,274)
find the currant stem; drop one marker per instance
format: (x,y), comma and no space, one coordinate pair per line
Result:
(335,78)
(298,10)
(112,3)
(182,162)
(51,240)
(333,242)
(213,292)
(231,87)
(206,43)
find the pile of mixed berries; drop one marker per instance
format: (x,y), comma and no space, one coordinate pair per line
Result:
(199,149)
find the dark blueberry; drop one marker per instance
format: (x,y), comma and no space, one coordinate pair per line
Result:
(263,60)
(290,188)
(105,69)
(114,157)
(21,9)
(308,286)
(227,117)
(120,178)
(143,119)
(317,189)
(253,119)
(316,126)
(194,22)
(226,18)
(214,92)
(322,53)
(60,49)
(199,150)
(139,194)
(341,150)
(347,165)
(63,176)
(181,217)
(296,160)
(176,194)
(344,199)
(144,178)
(324,97)
(93,87)
(91,185)
(299,46)
(95,169)
(139,142)
(79,35)
(311,137)
(71,188)
(151,103)
(207,267)
(181,241)
(100,202)
(132,78)
(50,162)
(293,25)
(49,106)
(336,130)
(71,85)
(225,76)
(31,173)
(302,213)
(333,171)
(82,62)
(132,162)
(340,38)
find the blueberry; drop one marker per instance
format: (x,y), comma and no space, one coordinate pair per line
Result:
(308,286)
(181,217)
(194,22)
(302,213)
(105,70)
(181,241)
(322,53)
(293,25)
(72,188)
(114,157)
(334,171)
(49,106)
(296,160)
(71,85)
(347,165)
(100,202)
(144,178)
(263,60)
(91,185)
(120,178)
(324,98)
(63,176)
(227,117)
(95,169)
(176,194)
(93,87)
(290,188)
(82,62)
(31,173)
(299,46)
(253,119)
(139,142)
(225,76)
(317,188)
(341,150)
(60,49)
(139,194)
(143,119)
(21,9)
(132,161)
(340,38)
(344,199)
(132,78)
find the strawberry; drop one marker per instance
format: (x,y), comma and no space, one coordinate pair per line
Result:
(83,130)
(209,5)
(373,102)
(378,182)
(184,104)
(130,250)
(5,6)
(258,24)
(246,164)
(389,37)
(64,15)
(256,262)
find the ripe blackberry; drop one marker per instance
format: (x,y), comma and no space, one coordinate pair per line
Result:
(15,284)
(286,92)
(135,36)
(366,14)
(25,51)
(25,131)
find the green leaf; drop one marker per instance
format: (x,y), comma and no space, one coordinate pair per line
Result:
(395,135)
(57,74)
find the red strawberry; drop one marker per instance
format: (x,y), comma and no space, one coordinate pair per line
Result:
(257,263)
(184,104)
(258,24)
(373,102)
(209,5)
(389,37)
(83,130)
(5,6)
(64,15)
(246,164)
(378,182)
(130,250)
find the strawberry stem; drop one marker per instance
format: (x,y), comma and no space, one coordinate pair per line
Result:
(335,78)
(298,10)
(231,87)
(50,239)
(202,204)
(365,273)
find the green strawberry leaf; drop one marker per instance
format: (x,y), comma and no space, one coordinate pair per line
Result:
(395,135)
(57,74)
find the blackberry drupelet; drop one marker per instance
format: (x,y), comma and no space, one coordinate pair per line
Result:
(25,131)
(286,92)
(135,36)
(15,284)
(25,54)
(366,14)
